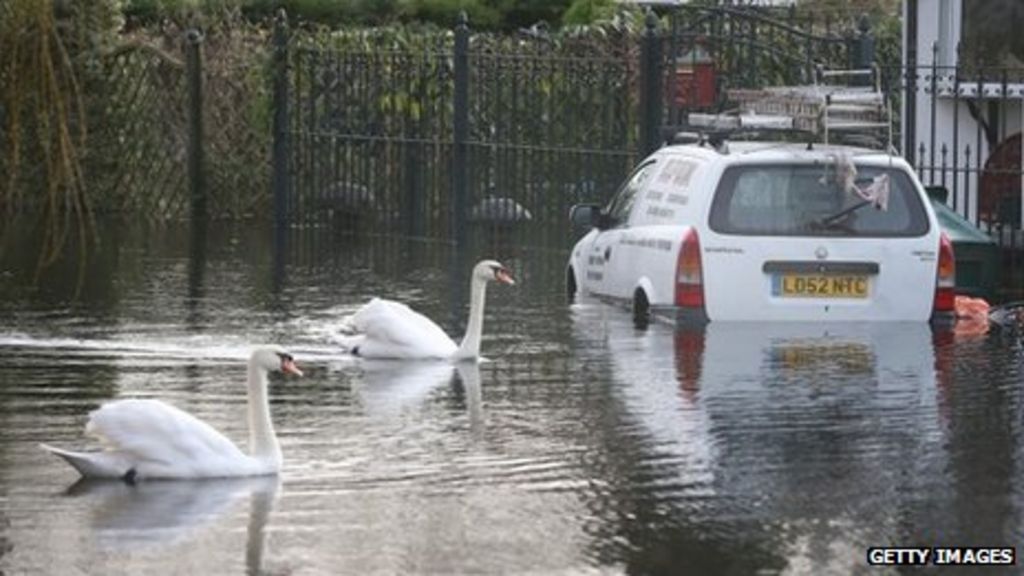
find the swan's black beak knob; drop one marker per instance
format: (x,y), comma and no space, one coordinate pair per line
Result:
(288,366)
(504,276)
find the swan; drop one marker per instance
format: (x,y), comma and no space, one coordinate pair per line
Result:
(388,329)
(151,439)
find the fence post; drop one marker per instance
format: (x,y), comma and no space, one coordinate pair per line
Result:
(863,57)
(460,127)
(910,84)
(281,148)
(650,87)
(194,82)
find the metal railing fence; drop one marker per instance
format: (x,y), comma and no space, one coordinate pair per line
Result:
(445,134)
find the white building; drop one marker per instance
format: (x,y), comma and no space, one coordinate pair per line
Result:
(962,126)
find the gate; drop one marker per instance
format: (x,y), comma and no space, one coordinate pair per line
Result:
(456,133)
(713,49)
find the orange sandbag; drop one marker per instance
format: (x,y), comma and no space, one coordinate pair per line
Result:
(971,315)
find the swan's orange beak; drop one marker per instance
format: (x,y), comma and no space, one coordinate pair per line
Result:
(288,367)
(504,276)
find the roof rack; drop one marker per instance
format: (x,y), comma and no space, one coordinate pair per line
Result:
(854,111)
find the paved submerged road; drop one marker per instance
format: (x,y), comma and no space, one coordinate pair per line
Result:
(583,445)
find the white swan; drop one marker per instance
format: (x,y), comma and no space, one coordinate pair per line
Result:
(389,329)
(151,439)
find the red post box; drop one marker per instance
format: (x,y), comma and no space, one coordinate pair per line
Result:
(694,79)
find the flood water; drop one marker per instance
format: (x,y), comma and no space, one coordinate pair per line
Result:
(582,444)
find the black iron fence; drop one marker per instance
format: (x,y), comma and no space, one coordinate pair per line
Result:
(463,132)
(447,133)
(431,137)
(962,131)
(960,127)
(472,130)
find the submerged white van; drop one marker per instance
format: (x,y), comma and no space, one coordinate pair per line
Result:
(767,231)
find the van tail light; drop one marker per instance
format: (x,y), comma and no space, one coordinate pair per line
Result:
(945,280)
(689,277)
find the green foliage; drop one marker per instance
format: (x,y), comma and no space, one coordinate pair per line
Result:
(525,13)
(483,14)
(992,33)
(888,33)
(446,12)
(584,12)
(883,17)
(47,54)
(327,12)
(850,10)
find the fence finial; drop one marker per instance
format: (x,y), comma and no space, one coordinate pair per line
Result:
(864,24)
(650,21)
(864,45)
(463,20)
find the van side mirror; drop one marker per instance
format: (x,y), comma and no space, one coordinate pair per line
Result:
(585,215)
(937,193)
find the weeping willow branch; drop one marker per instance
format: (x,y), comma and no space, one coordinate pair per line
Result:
(42,119)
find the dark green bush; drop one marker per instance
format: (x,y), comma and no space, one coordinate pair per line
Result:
(483,14)
(584,12)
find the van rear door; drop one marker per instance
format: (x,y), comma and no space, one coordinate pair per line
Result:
(802,241)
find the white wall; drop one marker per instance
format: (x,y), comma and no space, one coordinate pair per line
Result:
(948,113)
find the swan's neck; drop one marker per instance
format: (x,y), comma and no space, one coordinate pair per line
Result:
(262,440)
(470,347)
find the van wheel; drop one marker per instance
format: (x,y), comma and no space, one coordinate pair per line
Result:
(570,285)
(641,309)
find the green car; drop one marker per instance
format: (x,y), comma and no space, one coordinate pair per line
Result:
(977,253)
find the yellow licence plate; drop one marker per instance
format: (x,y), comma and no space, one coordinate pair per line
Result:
(821,286)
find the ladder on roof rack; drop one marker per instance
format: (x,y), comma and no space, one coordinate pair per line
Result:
(825,108)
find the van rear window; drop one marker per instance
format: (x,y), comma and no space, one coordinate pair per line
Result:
(814,200)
